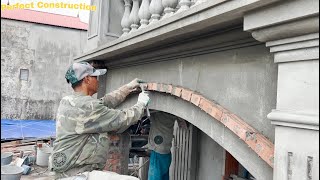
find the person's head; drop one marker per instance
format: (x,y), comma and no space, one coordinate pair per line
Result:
(83,77)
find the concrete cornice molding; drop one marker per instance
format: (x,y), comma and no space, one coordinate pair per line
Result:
(163,55)
(199,17)
(288,29)
(294,119)
(300,48)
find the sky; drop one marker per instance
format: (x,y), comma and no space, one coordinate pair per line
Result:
(83,14)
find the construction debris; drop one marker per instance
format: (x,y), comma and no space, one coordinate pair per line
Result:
(24,155)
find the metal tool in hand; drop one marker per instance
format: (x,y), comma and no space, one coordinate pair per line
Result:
(147,108)
(148,113)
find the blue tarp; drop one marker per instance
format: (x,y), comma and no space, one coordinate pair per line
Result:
(25,129)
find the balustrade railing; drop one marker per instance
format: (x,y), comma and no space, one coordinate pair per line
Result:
(139,14)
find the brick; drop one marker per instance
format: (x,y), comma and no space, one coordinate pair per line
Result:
(176,91)
(153,87)
(168,88)
(161,88)
(264,151)
(186,94)
(251,129)
(114,138)
(211,108)
(112,168)
(115,156)
(149,86)
(113,161)
(195,99)
(234,125)
(205,105)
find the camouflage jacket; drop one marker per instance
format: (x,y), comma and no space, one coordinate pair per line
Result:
(82,125)
(161,132)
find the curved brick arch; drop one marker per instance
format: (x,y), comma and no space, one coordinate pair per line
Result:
(263,147)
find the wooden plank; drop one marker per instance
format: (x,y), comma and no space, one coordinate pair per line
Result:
(17,145)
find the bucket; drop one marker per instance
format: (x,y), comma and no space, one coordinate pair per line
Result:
(26,169)
(10,172)
(6,158)
(43,154)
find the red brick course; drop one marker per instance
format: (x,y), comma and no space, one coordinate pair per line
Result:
(263,147)
(114,155)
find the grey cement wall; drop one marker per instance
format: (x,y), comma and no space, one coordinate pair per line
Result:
(242,80)
(210,159)
(46,51)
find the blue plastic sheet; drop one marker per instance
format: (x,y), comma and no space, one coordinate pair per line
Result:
(26,129)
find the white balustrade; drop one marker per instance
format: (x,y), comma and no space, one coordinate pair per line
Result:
(144,13)
(156,9)
(185,5)
(151,11)
(199,2)
(125,22)
(169,7)
(193,2)
(134,16)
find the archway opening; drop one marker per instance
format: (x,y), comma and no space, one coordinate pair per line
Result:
(194,154)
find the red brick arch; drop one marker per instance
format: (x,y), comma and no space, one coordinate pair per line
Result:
(255,140)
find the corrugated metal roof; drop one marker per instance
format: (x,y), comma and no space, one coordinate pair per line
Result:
(44,18)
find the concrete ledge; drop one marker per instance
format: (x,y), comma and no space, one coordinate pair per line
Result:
(297,27)
(298,48)
(294,119)
(209,14)
(279,13)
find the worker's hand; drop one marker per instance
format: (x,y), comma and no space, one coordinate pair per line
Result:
(144,98)
(134,84)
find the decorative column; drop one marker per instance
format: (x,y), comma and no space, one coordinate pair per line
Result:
(169,7)
(134,16)
(125,22)
(185,5)
(293,39)
(144,13)
(296,116)
(156,10)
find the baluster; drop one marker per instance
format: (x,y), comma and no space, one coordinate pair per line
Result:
(134,17)
(144,13)
(199,2)
(178,6)
(125,22)
(169,7)
(193,2)
(185,5)
(156,10)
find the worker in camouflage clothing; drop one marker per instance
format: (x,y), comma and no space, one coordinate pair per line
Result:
(83,122)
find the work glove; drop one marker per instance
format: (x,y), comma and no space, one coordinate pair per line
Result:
(144,98)
(134,84)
